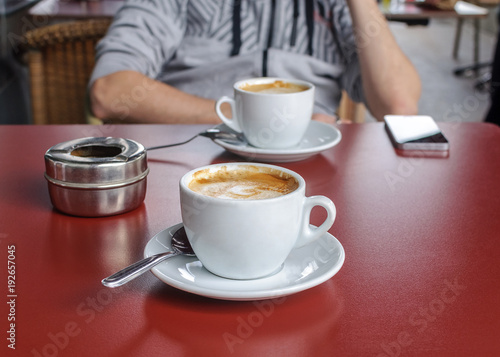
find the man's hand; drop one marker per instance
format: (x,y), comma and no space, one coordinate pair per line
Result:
(325,118)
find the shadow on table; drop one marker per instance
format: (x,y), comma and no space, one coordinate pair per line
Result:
(294,325)
(431,154)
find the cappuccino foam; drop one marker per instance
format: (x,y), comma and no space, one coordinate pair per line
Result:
(244,183)
(276,87)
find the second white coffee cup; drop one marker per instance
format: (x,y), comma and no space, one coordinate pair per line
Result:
(270,118)
(240,237)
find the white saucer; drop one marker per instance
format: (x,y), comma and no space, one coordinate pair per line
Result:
(318,137)
(305,268)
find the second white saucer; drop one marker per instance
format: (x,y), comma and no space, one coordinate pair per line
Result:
(318,137)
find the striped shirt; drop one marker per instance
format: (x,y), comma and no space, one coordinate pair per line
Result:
(203,46)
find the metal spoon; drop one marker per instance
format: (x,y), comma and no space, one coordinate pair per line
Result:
(213,133)
(180,246)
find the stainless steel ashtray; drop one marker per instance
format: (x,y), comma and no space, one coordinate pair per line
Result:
(95,177)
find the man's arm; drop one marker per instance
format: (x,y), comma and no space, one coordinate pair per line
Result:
(133,97)
(131,54)
(390,82)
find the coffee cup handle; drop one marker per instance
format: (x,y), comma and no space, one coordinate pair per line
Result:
(309,232)
(232,123)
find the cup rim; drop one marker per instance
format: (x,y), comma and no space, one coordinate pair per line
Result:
(183,182)
(236,86)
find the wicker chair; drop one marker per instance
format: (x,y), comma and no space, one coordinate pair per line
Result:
(60,60)
(350,110)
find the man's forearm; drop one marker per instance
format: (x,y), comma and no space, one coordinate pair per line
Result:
(390,82)
(132,97)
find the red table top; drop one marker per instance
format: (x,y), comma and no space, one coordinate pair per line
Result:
(421,236)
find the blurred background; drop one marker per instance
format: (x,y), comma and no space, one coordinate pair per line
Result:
(433,45)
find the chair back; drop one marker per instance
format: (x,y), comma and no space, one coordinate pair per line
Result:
(350,110)
(60,59)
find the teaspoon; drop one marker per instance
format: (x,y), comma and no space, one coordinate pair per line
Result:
(180,246)
(213,133)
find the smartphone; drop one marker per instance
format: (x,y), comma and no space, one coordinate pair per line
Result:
(415,132)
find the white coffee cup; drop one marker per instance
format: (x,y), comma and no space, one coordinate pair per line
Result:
(270,118)
(248,238)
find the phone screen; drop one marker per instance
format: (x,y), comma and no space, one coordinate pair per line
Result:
(415,132)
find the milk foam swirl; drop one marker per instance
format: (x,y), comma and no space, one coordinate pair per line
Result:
(276,87)
(244,183)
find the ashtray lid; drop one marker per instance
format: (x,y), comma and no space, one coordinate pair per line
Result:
(96,161)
